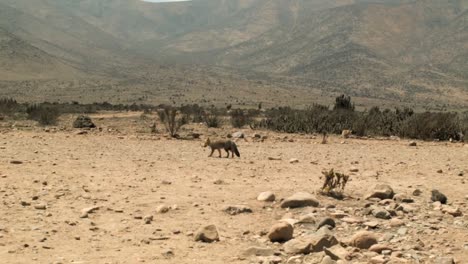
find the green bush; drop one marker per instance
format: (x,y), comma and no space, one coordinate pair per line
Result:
(44,114)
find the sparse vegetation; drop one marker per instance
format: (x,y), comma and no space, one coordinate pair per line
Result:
(334,183)
(44,114)
(240,118)
(168,117)
(316,119)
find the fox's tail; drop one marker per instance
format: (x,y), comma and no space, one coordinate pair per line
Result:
(235,150)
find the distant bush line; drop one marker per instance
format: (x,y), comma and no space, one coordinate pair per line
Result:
(315,119)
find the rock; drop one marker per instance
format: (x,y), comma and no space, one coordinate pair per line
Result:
(371,224)
(83,122)
(363,240)
(402,198)
(236,209)
(300,199)
(381,191)
(270,260)
(352,220)
(16,162)
(402,231)
(148,219)
(437,196)
(310,243)
(327,260)
(281,232)
(162,209)
(417,192)
(378,260)
(274,158)
(445,260)
(354,169)
(293,161)
(455,212)
(412,144)
(238,134)
(381,213)
(207,234)
(326,221)
(266,197)
(258,251)
(40,206)
(307,219)
(336,252)
(395,222)
(86,211)
(24,203)
(378,248)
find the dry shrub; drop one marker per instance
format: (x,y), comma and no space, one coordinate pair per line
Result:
(334,183)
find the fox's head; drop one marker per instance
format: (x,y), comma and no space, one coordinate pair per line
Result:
(207,142)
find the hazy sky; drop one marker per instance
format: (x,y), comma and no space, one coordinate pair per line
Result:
(165,1)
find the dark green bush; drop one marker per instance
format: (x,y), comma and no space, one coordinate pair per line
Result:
(240,118)
(44,114)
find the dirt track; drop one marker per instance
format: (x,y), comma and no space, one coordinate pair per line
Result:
(129,175)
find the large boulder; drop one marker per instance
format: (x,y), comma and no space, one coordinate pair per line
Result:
(381,191)
(83,122)
(300,199)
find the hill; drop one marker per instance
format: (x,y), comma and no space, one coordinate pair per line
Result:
(410,51)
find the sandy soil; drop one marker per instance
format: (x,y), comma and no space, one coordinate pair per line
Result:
(129,174)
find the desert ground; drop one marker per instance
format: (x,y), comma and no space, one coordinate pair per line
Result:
(125,175)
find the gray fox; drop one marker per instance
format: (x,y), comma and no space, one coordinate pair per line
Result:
(227,145)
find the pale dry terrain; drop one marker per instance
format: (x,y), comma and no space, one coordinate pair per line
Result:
(128,174)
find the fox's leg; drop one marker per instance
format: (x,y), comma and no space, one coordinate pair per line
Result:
(219,153)
(212,150)
(227,150)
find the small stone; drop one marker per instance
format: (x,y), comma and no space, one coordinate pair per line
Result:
(395,222)
(378,260)
(354,169)
(336,252)
(445,260)
(300,199)
(412,144)
(16,162)
(402,231)
(327,260)
(148,219)
(309,244)
(24,203)
(89,210)
(40,206)
(326,221)
(207,234)
(371,224)
(455,212)
(266,197)
(162,209)
(307,219)
(417,192)
(258,251)
(381,213)
(402,198)
(437,196)
(363,240)
(440,171)
(281,232)
(381,191)
(378,248)
(292,161)
(236,209)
